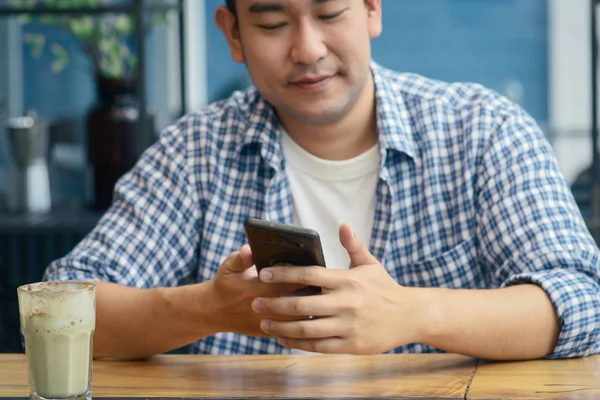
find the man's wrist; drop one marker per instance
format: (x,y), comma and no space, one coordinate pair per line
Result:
(193,306)
(428,314)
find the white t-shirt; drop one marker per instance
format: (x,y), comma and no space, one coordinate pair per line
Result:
(328,193)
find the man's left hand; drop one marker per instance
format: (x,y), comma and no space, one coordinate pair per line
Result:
(360,311)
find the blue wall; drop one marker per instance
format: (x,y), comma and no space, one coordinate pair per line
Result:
(65,94)
(484,41)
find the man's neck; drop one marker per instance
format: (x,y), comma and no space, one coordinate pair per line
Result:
(347,138)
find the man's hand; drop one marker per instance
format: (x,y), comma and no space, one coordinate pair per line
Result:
(233,289)
(136,323)
(361,310)
(364,311)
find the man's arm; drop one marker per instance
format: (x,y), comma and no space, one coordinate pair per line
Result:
(501,324)
(148,238)
(138,323)
(534,242)
(531,232)
(134,323)
(537,248)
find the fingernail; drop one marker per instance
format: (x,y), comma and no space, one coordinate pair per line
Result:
(265,325)
(266,275)
(257,305)
(282,341)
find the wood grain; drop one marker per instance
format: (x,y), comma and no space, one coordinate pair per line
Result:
(541,379)
(429,375)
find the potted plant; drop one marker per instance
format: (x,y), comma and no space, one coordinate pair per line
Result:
(113,140)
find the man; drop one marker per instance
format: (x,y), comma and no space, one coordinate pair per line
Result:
(462,235)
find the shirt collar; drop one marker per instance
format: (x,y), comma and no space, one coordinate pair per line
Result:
(262,127)
(393,119)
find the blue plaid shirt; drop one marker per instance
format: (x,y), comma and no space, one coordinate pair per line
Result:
(470,196)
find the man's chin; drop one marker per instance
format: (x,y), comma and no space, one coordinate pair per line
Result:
(316,116)
(319,120)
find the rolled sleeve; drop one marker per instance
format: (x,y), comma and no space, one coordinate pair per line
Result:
(574,296)
(531,231)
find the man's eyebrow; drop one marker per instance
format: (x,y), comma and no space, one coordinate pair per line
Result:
(257,8)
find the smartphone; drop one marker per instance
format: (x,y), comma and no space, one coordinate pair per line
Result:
(278,244)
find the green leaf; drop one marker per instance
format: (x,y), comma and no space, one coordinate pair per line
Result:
(23,5)
(37,43)
(24,19)
(104,45)
(111,66)
(123,25)
(82,27)
(61,57)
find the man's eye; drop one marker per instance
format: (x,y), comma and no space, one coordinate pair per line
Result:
(271,27)
(331,16)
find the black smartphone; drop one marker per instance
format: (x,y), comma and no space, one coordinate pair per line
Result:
(273,244)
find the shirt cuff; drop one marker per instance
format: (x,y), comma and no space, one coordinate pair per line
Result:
(576,300)
(79,269)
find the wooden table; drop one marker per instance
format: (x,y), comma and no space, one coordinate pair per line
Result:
(434,376)
(543,379)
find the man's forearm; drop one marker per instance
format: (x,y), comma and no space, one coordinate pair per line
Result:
(137,323)
(513,323)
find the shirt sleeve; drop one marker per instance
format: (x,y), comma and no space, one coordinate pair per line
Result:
(149,235)
(531,231)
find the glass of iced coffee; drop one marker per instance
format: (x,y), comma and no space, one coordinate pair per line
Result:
(58,321)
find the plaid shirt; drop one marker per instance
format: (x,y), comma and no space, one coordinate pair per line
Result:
(470,196)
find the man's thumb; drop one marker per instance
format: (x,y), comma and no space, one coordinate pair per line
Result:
(238,261)
(358,252)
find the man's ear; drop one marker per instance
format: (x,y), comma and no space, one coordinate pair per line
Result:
(228,24)
(374,17)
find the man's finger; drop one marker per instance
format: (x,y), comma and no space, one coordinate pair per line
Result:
(320,328)
(237,262)
(306,276)
(246,255)
(306,306)
(358,252)
(326,346)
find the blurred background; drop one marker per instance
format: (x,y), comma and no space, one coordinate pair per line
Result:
(83,93)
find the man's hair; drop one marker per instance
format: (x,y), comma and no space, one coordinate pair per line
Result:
(231,6)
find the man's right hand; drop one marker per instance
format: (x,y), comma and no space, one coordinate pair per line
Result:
(234,288)
(135,323)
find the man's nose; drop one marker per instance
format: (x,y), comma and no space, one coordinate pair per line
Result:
(308,47)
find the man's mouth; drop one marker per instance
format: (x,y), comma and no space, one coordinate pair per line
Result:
(312,82)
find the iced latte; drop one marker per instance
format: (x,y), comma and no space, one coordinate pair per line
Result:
(58,321)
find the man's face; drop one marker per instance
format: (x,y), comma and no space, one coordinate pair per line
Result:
(309,58)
